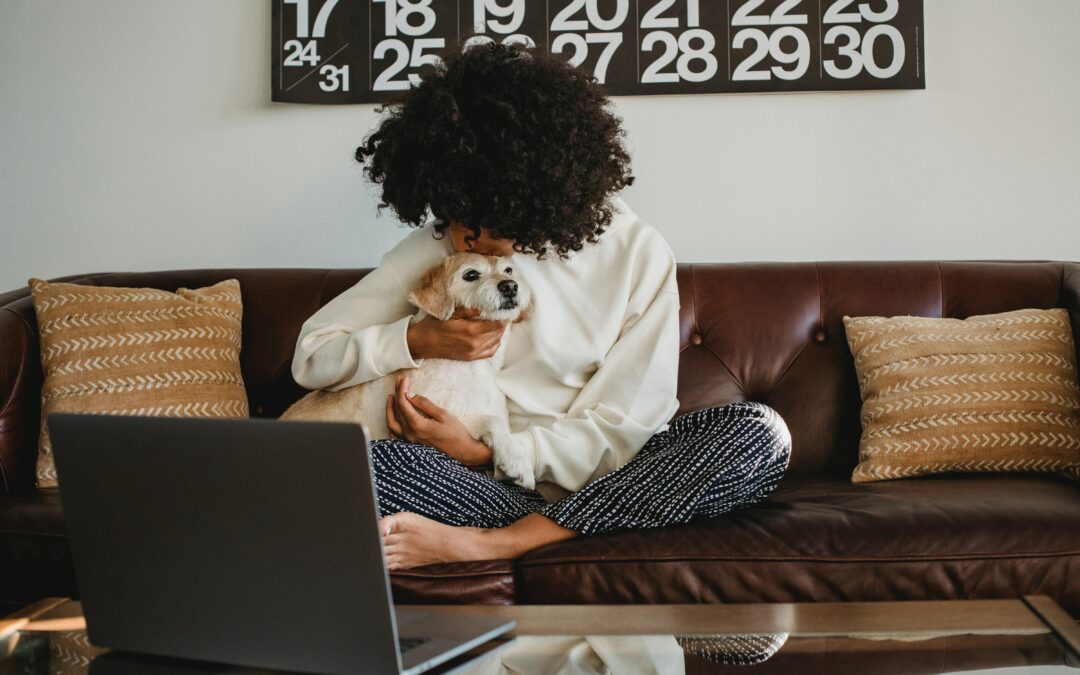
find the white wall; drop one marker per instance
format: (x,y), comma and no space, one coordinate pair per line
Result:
(139,135)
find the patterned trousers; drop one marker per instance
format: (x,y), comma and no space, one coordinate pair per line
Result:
(706,463)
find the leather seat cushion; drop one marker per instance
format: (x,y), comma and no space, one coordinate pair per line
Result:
(935,537)
(36,562)
(823,539)
(34,555)
(483,582)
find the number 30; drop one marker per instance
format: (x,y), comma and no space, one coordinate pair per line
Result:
(865,57)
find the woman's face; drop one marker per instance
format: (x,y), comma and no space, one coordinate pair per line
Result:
(484,244)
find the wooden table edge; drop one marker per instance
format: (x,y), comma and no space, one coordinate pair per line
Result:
(988,616)
(21,618)
(1052,614)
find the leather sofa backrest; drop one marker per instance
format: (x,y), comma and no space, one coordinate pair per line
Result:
(774,332)
(769,332)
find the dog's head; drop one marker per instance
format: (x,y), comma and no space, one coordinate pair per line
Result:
(486,283)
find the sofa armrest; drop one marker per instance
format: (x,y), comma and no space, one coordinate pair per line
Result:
(21,378)
(1070,299)
(20,393)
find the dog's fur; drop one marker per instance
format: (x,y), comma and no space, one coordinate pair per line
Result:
(467,389)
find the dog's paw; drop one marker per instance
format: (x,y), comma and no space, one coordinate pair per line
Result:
(515,465)
(509,458)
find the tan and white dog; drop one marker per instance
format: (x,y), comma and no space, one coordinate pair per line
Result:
(467,389)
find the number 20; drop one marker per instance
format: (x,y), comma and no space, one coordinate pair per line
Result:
(562,20)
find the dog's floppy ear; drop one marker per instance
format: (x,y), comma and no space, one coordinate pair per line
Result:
(432,292)
(526,311)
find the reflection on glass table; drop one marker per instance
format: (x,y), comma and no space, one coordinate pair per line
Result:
(70,653)
(999,637)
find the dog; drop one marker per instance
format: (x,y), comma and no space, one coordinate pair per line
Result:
(467,389)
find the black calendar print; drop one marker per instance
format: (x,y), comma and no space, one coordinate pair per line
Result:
(363,51)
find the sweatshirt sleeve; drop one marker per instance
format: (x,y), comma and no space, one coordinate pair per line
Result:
(628,398)
(358,336)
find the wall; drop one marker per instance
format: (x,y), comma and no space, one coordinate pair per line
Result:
(139,135)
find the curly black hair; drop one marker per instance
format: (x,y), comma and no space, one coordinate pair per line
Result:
(505,137)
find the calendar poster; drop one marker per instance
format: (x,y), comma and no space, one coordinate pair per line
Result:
(364,51)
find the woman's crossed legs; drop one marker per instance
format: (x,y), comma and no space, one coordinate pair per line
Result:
(707,462)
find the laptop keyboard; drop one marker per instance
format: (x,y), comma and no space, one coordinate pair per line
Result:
(405,644)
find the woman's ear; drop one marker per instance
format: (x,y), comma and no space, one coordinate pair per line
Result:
(526,311)
(432,292)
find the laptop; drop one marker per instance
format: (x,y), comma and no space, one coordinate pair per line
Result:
(245,541)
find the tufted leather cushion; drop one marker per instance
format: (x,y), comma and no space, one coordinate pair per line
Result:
(773,332)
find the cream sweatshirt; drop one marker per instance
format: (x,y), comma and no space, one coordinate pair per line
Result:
(589,377)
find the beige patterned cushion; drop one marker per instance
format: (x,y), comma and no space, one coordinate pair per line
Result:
(137,351)
(996,392)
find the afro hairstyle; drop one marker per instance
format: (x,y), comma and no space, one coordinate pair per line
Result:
(504,137)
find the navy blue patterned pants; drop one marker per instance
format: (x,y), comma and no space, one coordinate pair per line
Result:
(706,463)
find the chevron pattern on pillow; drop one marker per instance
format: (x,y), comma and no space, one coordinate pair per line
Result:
(994,392)
(137,351)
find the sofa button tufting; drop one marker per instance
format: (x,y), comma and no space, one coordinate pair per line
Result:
(695,339)
(819,335)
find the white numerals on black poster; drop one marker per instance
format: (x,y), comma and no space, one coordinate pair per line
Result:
(360,51)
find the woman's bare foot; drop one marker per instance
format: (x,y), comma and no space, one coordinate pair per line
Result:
(411,540)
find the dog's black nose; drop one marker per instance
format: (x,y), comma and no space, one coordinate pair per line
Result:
(508,287)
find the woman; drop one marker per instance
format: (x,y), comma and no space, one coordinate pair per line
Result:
(513,152)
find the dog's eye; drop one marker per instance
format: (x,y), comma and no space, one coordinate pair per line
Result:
(508,270)
(470,275)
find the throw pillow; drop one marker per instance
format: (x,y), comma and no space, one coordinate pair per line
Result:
(137,351)
(995,392)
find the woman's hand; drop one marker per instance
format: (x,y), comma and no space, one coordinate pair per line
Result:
(419,420)
(460,337)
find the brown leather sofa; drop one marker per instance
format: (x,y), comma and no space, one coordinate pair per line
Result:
(768,332)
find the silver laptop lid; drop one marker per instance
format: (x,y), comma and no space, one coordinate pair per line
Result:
(207,563)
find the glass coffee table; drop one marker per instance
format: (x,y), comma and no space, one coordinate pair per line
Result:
(1031,635)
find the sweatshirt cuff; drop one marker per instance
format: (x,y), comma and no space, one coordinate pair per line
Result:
(392,348)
